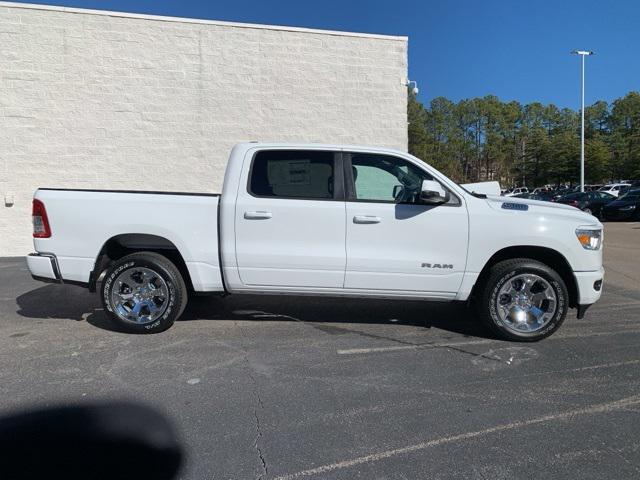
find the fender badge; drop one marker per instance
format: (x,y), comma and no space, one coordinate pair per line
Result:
(515,206)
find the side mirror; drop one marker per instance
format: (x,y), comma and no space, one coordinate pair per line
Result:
(432,193)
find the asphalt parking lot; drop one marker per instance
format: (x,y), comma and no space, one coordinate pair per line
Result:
(283,388)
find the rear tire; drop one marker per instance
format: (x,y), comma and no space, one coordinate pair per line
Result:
(143,293)
(523,300)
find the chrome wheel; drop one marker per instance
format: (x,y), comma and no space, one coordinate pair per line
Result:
(526,303)
(139,295)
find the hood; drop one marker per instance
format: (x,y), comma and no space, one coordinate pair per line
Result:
(540,206)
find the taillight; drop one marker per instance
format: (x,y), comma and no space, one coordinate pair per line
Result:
(41,228)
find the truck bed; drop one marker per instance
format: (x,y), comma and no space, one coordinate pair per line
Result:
(83,221)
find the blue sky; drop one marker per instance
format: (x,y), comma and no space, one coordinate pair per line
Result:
(517,50)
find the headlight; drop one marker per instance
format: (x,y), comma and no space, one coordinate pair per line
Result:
(589,239)
(628,207)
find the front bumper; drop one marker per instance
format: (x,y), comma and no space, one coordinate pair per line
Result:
(589,286)
(44,267)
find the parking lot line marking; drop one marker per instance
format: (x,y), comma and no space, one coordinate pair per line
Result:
(551,372)
(425,346)
(618,306)
(567,415)
(592,334)
(356,351)
(604,365)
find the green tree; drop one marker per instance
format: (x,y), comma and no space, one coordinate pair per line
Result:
(563,163)
(625,137)
(596,119)
(416,117)
(596,161)
(487,139)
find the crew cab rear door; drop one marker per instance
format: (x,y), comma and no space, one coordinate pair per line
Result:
(394,242)
(290,220)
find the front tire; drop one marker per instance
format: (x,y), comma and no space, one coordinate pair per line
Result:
(143,293)
(523,300)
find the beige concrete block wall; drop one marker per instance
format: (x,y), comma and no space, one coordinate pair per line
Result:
(107,100)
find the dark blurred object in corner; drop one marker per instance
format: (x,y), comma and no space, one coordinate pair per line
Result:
(106,441)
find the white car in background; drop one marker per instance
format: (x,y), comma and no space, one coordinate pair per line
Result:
(516,191)
(615,188)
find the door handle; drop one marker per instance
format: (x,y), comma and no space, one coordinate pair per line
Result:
(257,215)
(366,219)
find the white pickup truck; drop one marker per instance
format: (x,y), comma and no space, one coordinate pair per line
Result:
(322,220)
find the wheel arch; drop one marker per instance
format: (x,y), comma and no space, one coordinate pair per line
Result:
(550,257)
(121,245)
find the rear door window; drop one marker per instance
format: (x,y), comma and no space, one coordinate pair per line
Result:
(294,174)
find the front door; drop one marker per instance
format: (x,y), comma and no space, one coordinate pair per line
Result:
(290,220)
(395,243)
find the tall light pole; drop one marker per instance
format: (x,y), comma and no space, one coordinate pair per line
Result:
(582,53)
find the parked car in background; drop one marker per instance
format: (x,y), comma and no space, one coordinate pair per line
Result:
(588,202)
(615,189)
(560,192)
(625,207)
(539,190)
(542,196)
(592,188)
(546,196)
(516,191)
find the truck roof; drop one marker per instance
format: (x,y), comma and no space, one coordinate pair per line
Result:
(318,146)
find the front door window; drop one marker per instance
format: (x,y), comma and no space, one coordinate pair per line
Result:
(381,178)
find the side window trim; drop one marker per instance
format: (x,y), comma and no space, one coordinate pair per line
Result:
(349,184)
(338,176)
(350,191)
